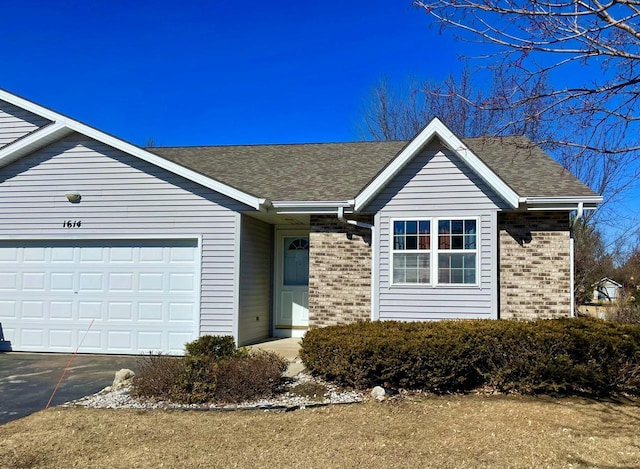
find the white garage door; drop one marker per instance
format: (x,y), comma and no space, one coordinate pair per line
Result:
(141,295)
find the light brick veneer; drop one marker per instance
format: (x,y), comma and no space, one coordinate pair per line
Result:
(534,266)
(339,272)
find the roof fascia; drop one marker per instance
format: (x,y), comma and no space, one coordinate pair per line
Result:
(60,122)
(560,203)
(309,207)
(32,142)
(436,128)
(593,199)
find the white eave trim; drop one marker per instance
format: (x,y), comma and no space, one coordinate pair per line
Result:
(561,203)
(63,125)
(310,207)
(436,128)
(32,142)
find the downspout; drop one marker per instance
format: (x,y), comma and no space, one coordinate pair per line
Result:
(579,213)
(373,239)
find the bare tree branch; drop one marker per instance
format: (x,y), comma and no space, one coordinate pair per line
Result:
(589,50)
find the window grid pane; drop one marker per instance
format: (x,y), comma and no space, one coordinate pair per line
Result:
(411,268)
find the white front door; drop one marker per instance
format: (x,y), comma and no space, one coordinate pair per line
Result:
(292,292)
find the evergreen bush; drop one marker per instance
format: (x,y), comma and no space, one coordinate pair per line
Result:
(566,356)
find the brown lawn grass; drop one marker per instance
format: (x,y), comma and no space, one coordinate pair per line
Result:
(441,432)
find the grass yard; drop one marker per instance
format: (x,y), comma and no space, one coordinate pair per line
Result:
(441,432)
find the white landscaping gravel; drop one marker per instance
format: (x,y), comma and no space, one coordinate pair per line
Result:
(288,400)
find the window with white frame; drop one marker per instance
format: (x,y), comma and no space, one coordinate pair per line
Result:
(454,251)
(411,251)
(457,251)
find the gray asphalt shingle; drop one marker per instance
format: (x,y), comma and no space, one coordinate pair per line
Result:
(339,171)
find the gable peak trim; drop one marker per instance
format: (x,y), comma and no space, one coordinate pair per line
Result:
(435,128)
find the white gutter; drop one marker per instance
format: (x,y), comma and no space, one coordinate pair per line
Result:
(373,247)
(361,224)
(308,206)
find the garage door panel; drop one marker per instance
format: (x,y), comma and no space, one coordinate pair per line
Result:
(90,282)
(33,310)
(92,254)
(36,254)
(33,337)
(181,282)
(61,254)
(8,281)
(61,282)
(151,311)
(141,295)
(62,310)
(121,282)
(8,310)
(33,281)
(60,338)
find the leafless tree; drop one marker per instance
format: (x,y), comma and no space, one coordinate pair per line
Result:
(589,49)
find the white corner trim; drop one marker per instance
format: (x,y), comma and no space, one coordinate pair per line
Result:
(436,128)
(61,122)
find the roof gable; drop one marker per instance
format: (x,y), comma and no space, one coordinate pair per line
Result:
(434,129)
(62,125)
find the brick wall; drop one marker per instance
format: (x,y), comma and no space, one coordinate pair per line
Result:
(339,272)
(534,265)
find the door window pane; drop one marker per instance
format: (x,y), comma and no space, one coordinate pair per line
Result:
(296,261)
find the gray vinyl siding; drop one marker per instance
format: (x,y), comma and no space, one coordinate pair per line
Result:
(256,269)
(436,184)
(123,196)
(15,123)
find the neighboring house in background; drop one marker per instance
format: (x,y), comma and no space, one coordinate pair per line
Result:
(607,290)
(128,249)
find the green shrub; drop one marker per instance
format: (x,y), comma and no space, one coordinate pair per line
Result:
(255,376)
(570,356)
(213,370)
(158,377)
(212,346)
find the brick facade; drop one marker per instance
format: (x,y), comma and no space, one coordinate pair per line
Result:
(534,268)
(339,272)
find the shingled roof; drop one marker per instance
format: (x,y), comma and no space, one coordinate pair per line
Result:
(339,171)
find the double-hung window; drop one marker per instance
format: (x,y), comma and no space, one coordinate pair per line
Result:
(457,251)
(412,251)
(449,257)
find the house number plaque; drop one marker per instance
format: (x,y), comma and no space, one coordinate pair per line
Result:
(71,224)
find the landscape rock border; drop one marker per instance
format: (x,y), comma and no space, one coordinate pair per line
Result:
(117,396)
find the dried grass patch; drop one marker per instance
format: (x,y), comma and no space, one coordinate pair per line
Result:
(451,431)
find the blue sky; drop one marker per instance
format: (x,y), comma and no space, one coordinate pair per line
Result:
(217,72)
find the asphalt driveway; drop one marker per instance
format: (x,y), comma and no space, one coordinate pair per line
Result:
(28,379)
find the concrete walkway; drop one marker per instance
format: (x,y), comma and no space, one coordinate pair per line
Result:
(288,348)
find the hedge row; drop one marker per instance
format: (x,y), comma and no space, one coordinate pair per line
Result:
(566,356)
